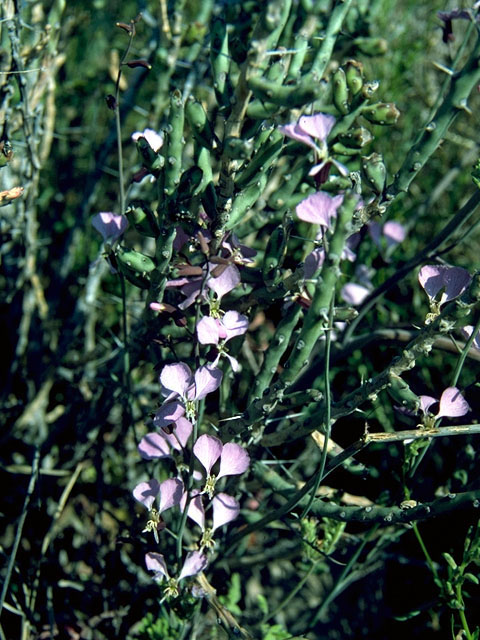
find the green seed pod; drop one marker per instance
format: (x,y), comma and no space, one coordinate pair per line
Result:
(140,216)
(174,143)
(401,392)
(374,172)
(209,200)
(262,160)
(354,75)
(340,91)
(294,95)
(372,46)
(275,252)
(342,150)
(201,127)
(245,200)
(220,60)
(134,261)
(150,159)
(356,138)
(381,113)
(189,181)
(260,110)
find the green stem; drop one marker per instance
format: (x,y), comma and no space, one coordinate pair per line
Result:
(429,560)
(465,351)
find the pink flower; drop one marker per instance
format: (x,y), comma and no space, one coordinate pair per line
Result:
(219,331)
(195,562)
(158,445)
(308,127)
(233,459)
(319,208)
(451,281)
(354,294)
(110,225)
(169,493)
(451,405)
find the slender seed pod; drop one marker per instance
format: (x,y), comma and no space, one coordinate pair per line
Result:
(220,61)
(174,144)
(275,252)
(340,91)
(198,121)
(399,390)
(262,160)
(245,200)
(140,216)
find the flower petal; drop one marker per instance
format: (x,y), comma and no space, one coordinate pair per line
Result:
(208,330)
(225,282)
(426,402)
(318,126)
(156,562)
(171,492)
(154,139)
(195,562)
(195,508)
(176,377)
(235,324)
(234,460)
(207,380)
(109,225)
(354,293)
(293,131)
(168,413)
(181,433)
(319,208)
(313,262)
(147,492)
(208,449)
(452,404)
(225,509)
(434,278)
(153,446)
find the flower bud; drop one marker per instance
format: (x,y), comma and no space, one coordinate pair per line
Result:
(381,113)
(354,76)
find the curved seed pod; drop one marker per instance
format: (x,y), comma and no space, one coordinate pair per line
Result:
(245,200)
(220,60)
(275,252)
(354,76)
(340,91)
(381,113)
(342,150)
(374,172)
(280,197)
(356,138)
(294,95)
(201,127)
(140,216)
(399,390)
(260,110)
(298,58)
(261,160)
(134,261)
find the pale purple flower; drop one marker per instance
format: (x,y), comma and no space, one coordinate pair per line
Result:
(452,404)
(388,236)
(240,253)
(219,331)
(313,262)
(180,382)
(426,402)
(110,225)
(451,281)
(154,139)
(220,278)
(169,493)
(225,281)
(158,445)
(317,126)
(319,208)
(195,562)
(195,510)
(233,458)
(354,294)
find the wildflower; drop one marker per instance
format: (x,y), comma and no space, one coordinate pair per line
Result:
(388,236)
(354,294)
(195,562)
(109,225)
(169,494)
(185,389)
(220,278)
(319,208)
(219,331)
(451,281)
(158,445)
(233,459)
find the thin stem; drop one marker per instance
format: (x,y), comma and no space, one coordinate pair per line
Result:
(429,560)
(461,612)
(464,353)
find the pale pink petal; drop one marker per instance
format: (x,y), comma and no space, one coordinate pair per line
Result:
(182,431)
(208,449)
(233,362)
(109,225)
(147,492)
(234,460)
(195,508)
(235,324)
(293,131)
(319,208)
(453,280)
(318,126)
(195,562)
(208,330)
(353,293)
(426,402)
(171,492)
(152,446)
(225,509)
(394,232)
(156,562)
(191,290)
(207,380)
(168,413)
(313,262)
(452,404)
(225,282)
(176,377)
